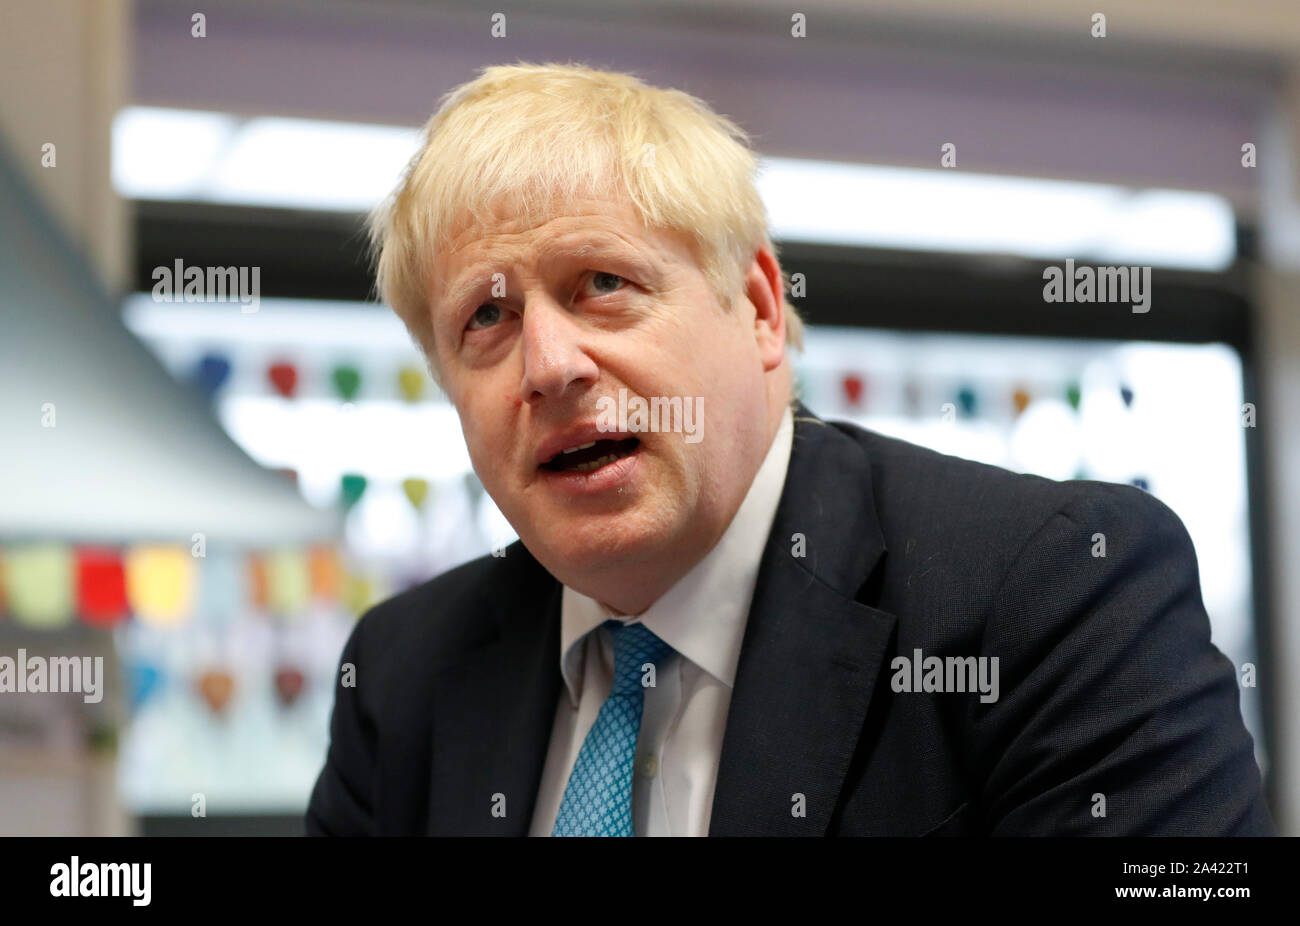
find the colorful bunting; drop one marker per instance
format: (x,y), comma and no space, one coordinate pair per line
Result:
(358,593)
(352,487)
(852,385)
(101,587)
(284,378)
(288,582)
(1072,395)
(39,583)
(347,382)
(417,491)
(160,584)
(49,585)
(143,680)
(966,401)
(210,374)
(289,683)
(326,573)
(257,582)
(216,686)
(411,383)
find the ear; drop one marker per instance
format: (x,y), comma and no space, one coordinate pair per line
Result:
(765,290)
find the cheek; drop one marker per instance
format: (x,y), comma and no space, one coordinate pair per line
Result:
(713,365)
(489,427)
(678,361)
(475,426)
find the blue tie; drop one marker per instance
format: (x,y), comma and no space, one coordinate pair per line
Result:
(598,798)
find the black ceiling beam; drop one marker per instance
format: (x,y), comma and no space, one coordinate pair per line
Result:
(323,255)
(301,254)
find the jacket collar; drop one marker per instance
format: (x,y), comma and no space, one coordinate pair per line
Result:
(812,652)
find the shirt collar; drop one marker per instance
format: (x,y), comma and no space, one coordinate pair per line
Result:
(703,615)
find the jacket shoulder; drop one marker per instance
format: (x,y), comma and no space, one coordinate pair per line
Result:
(966,523)
(923,482)
(452,612)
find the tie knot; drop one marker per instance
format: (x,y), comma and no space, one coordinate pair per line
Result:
(635,646)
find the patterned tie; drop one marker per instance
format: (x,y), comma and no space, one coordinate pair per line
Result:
(598,799)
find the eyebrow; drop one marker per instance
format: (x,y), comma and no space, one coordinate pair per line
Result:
(475,279)
(461,291)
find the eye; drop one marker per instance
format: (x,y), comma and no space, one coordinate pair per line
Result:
(485,316)
(604,282)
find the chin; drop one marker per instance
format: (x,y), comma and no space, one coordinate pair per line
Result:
(596,546)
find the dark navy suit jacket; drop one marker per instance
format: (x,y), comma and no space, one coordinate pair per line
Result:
(1108,683)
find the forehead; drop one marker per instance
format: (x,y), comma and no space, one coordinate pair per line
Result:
(507,226)
(475,245)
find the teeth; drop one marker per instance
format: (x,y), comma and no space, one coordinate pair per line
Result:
(580,447)
(594,464)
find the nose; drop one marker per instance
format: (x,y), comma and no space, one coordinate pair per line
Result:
(554,359)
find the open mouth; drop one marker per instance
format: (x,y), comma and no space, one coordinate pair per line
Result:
(591,456)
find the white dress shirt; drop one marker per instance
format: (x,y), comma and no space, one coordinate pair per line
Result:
(702,617)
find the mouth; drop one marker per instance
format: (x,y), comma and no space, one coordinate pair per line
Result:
(591,456)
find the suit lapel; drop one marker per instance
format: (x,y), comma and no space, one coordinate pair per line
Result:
(494,709)
(811,653)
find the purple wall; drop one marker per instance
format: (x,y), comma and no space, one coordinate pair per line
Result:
(820,97)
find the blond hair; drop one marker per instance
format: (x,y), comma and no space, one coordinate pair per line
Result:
(536,138)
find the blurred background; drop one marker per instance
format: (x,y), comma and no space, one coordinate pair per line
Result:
(206,493)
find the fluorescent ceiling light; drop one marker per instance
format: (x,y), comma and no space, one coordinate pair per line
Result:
(178,154)
(304,324)
(939,210)
(316,165)
(311,164)
(167,153)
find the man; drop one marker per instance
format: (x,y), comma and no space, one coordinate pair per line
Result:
(724,615)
